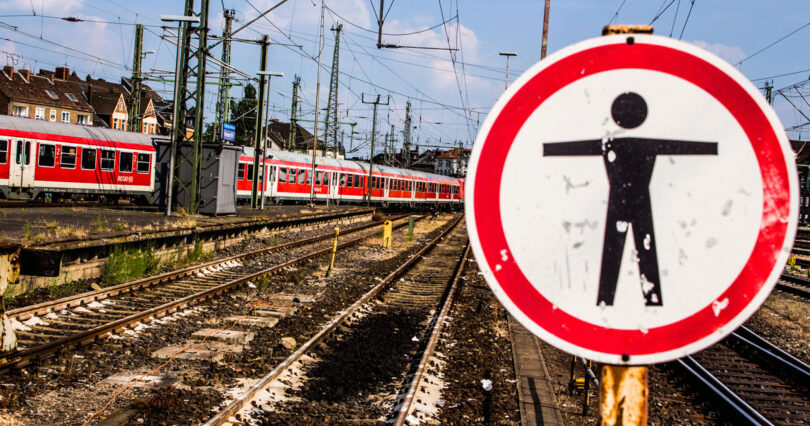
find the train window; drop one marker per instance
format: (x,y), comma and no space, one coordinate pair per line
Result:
(357,181)
(240,172)
(309,177)
(319,178)
(272,173)
(326,178)
(47,155)
(249,172)
(3,152)
(107,160)
(143,163)
(302,176)
(88,159)
(125,162)
(342,179)
(282,175)
(68,158)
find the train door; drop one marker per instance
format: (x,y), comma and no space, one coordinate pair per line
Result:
(387,187)
(271,181)
(21,168)
(333,186)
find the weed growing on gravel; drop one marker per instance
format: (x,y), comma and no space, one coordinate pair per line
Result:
(125,265)
(262,283)
(99,224)
(67,289)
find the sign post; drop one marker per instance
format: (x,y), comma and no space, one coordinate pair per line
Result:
(631,199)
(229,132)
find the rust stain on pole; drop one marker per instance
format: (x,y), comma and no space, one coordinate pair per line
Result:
(623,395)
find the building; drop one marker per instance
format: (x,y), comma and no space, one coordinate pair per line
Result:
(453,162)
(41,97)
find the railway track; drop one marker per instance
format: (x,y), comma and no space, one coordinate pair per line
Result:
(48,327)
(794,284)
(756,381)
(403,299)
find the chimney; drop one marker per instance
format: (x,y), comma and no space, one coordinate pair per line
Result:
(62,73)
(9,70)
(26,75)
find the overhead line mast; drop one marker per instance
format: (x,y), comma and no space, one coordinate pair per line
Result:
(224,92)
(330,129)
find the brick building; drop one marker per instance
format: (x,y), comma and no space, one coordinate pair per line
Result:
(42,97)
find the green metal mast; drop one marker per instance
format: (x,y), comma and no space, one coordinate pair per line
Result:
(135,94)
(224,92)
(293,114)
(406,135)
(330,130)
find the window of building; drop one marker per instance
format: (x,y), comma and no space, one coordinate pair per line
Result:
(107,160)
(65,116)
(67,159)
(302,177)
(125,162)
(240,172)
(51,94)
(88,159)
(249,172)
(39,113)
(115,123)
(19,111)
(83,119)
(53,115)
(282,175)
(72,97)
(3,152)
(47,155)
(143,163)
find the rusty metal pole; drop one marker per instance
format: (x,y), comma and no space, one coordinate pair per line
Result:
(544,46)
(623,395)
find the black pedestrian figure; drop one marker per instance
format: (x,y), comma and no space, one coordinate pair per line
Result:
(629,163)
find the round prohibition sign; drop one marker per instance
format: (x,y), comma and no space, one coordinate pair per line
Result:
(632,199)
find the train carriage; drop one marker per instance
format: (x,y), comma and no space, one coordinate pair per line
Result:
(39,156)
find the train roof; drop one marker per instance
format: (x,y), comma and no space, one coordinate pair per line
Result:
(298,157)
(75,130)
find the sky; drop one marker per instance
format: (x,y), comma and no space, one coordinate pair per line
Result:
(450,92)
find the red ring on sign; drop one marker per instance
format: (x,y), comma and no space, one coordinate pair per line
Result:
(727,91)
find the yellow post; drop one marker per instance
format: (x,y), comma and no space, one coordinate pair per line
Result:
(623,395)
(334,250)
(387,239)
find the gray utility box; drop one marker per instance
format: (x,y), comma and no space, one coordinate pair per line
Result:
(217,179)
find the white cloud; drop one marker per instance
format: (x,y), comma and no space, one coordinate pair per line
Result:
(731,54)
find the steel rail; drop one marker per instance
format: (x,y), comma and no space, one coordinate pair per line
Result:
(26,312)
(787,363)
(22,358)
(731,399)
(435,334)
(244,399)
(801,285)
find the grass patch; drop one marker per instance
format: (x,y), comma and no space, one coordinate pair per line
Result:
(197,254)
(126,265)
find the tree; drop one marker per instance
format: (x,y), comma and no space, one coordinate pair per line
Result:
(244,116)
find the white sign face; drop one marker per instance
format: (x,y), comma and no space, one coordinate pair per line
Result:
(630,199)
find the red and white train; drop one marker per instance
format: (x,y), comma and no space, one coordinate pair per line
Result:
(39,158)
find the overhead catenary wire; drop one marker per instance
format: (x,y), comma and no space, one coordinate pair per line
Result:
(803,26)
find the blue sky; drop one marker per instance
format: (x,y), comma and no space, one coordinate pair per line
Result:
(447,104)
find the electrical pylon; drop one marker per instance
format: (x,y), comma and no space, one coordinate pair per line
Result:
(330,130)
(135,81)
(293,114)
(224,92)
(406,135)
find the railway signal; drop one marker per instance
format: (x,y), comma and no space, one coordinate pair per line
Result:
(632,199)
